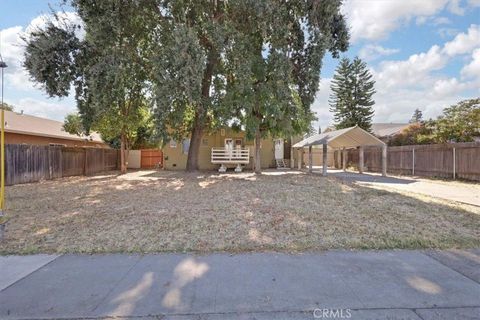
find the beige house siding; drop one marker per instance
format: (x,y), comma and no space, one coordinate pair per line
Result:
(176,159)
(317,157)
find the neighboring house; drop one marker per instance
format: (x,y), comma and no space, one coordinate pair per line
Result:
(229,148)
(25,129)
(386,131)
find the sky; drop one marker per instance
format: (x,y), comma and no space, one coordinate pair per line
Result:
(423,54)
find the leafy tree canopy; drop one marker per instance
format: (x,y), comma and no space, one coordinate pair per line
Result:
(459,122)
(415,133)
(6,106)
(202,62)
(273,65)
(107,68)
(73,124)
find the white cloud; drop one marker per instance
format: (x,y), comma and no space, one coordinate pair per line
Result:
(417,82)
(421,20)
(64,18)
(321,106)
(371,52)
(447,32)
(412,71)
(440,21)
(454,7)
(443,88)
(472,70)
(375,19)
(474,3)
(464,42)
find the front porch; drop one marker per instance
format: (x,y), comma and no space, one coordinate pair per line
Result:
(229,156)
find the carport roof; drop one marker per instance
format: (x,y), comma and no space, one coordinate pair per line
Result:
(344,138)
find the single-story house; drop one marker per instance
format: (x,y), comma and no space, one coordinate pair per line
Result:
(230,148)
(386,131)
(26,129)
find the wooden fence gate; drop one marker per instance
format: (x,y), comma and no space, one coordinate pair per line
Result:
(151,158)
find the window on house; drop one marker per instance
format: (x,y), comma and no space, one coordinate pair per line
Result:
(173,143)
(185,146)
(205,142)
(238,143)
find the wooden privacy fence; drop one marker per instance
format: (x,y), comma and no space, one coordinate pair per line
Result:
(29,163)
(451,161)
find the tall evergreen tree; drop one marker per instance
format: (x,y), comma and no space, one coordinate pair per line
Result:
(417,116)
(351,100)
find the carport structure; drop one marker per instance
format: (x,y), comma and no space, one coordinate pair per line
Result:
(343,139)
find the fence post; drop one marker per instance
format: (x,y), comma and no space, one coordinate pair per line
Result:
(85,161)
(360,159)
(413,161)
(454,163)
(325,159)
(384,160)
(299,160)
(310,159)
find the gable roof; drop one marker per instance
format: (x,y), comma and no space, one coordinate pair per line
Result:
(349,138)
(388,129)
(36,126)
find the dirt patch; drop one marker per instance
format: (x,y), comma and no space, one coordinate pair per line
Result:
(149,211)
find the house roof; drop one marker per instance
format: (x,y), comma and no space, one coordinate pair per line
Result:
(36,126)
(344,138)
(388,129)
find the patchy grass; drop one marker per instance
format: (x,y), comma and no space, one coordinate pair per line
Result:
(150,211)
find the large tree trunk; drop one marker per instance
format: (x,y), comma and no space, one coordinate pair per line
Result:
(123,155)
(257,158)
(200,114)
(195,141)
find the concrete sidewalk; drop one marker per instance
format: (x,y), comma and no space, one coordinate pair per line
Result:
(363,285)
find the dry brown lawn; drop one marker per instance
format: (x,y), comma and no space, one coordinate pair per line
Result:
(149,211)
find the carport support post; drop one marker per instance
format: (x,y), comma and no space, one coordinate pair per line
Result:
(360,159)
(300,158)
(292,158)
(344,159)
(384,160)
(324,162)
(310,159)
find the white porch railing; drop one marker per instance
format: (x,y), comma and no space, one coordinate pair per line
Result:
(225,156)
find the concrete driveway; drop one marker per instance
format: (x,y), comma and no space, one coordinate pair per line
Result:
(468,193)
(391,285)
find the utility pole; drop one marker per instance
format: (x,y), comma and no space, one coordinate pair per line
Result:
(3,65)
